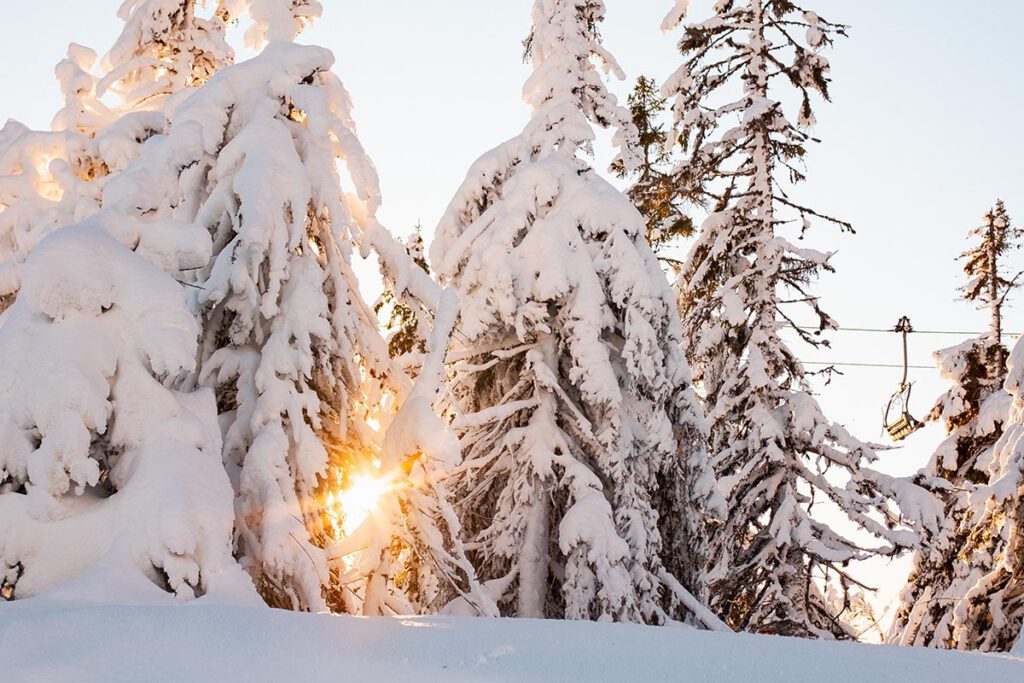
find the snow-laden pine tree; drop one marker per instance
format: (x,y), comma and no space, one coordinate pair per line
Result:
(102,464)
(775,453)
(988,591)
(653,191)
(974,411)
(301,373)
(584,490)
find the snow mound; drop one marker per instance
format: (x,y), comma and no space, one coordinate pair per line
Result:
(43,639)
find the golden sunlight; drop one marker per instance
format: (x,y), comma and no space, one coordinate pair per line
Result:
(45,184)
(351,505)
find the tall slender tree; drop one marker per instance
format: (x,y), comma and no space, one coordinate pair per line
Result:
(775,453)
(989,282)
(974,411)
(585,488)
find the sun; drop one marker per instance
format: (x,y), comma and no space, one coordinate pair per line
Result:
(358,500)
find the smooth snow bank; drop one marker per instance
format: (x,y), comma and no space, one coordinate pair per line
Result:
(47,640)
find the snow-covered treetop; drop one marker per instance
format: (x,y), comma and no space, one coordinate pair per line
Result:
(756,42)
(165,47)
(989,282)
(567,94)
(772,24)
(740,154)
(961,364)
(567,90)
(973,410)
(274,20)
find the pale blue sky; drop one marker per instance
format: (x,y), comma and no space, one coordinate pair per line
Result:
(923,134)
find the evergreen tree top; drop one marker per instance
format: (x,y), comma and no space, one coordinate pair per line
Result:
(654,191)
(566,90)
(998,237)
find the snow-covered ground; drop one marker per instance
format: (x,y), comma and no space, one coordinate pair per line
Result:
(46,639)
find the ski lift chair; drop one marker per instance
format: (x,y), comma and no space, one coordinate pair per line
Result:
(897,420)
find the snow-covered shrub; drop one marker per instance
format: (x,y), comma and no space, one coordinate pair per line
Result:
(407,556)
(99,459)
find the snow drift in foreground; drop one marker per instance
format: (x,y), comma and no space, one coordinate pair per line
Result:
(46,639)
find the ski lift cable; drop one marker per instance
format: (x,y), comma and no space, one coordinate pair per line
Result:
(870,365)
(856,364)
(808,328)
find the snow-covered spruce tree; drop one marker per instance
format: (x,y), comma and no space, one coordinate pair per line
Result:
(989,593)
(585,486)
(991,614)
(299,368)
(653,191)
(101,463)
(974,411)
(775,454)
